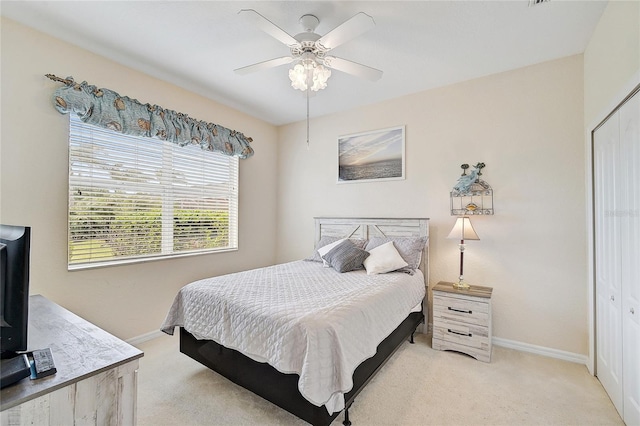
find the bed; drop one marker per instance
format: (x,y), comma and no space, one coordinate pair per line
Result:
(302,334)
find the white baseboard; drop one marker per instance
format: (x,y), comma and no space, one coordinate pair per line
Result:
(498,341)
(540,350)
(145,337)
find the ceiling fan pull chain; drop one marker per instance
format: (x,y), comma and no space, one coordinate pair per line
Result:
(307,118)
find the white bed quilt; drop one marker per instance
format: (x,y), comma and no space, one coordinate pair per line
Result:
(300,318)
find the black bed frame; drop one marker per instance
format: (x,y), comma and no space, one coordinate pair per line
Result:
(282,389)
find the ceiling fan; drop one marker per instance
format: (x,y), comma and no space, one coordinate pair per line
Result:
(309,50)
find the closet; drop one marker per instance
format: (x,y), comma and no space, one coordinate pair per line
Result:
(616,195)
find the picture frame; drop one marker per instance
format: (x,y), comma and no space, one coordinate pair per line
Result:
(373,156)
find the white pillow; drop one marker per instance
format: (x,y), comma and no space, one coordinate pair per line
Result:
(384,258)
(326,249)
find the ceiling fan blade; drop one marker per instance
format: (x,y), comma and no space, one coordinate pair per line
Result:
(269,27)
(344,32)
(264,65)
(353,68)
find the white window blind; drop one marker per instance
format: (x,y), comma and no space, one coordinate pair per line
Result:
(136,198)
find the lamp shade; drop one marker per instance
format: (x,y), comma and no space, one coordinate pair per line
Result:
(463,230)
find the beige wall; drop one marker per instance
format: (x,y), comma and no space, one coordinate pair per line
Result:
(611,60)
(128,301)
(527,126)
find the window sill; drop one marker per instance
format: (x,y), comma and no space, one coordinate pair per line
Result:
(123,262)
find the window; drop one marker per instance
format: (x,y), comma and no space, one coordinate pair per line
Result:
(136,198)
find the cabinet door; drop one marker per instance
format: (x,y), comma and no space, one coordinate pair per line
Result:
(629,202)
(607,260)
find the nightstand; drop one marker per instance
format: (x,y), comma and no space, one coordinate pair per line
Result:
(462,320)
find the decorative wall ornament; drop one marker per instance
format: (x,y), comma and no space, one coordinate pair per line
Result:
(471,195)
(106,108)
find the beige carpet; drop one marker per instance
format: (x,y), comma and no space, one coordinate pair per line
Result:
(418,386)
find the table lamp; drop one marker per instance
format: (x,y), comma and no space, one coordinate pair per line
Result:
(462,230)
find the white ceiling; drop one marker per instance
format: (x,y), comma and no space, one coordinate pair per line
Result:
(418,44)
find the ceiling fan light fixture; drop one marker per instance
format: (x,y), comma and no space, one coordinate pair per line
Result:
(309,74)
(320,76)
(298,77)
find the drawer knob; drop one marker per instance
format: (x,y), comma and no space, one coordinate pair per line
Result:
(458,333)
(459,310)
(633,311)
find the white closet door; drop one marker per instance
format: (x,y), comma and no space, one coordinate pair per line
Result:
(616,173)
(607,252)
(629,207)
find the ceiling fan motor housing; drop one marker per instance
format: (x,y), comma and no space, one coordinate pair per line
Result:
(307,39)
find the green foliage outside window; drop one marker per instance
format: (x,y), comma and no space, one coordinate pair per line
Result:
(115,226)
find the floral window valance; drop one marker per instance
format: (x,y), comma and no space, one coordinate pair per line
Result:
(106,108)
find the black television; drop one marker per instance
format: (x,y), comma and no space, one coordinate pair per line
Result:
(15,242)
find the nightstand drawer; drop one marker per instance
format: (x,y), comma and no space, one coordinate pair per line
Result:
(474,336)
(464,310)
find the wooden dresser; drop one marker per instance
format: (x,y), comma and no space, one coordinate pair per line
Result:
(96,379)
(462,320)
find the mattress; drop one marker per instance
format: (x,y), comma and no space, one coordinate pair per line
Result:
(300,318)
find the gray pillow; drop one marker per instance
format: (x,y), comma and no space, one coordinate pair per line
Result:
(410,248)
(315,257)
(346,257)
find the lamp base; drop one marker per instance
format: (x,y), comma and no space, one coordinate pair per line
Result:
(461,285)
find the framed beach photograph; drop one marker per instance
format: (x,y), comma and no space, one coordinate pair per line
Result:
(377,155)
